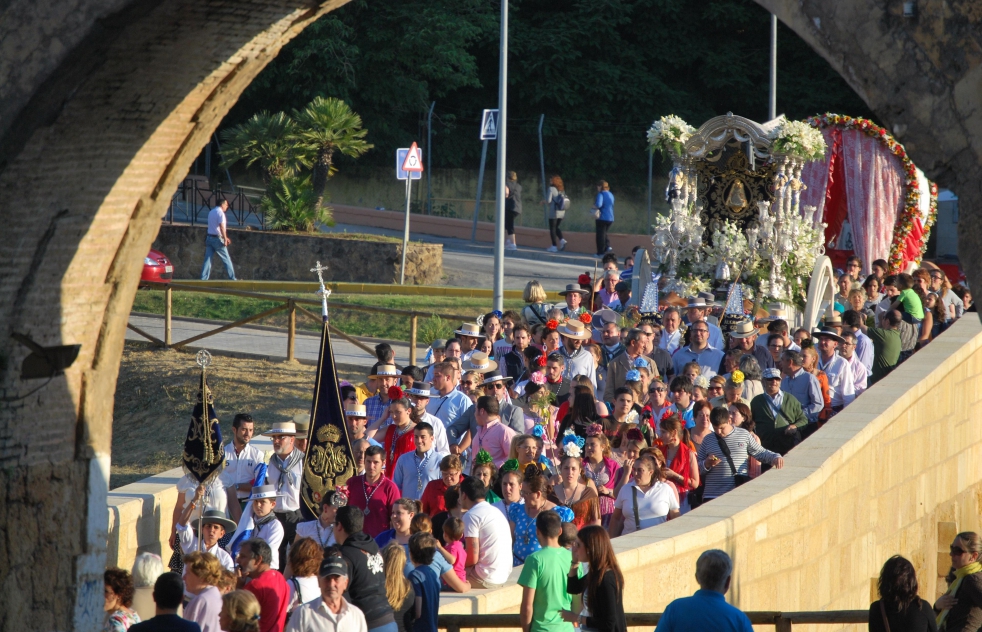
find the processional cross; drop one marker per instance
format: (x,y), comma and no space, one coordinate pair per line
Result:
(324,291)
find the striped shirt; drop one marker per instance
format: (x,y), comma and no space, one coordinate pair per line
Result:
(719,478)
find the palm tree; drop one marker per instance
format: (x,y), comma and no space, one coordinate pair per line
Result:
(266,139)
(326,126)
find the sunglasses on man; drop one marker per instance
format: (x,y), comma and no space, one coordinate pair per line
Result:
(498,386)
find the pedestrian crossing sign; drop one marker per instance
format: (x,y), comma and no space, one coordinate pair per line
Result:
(489,125)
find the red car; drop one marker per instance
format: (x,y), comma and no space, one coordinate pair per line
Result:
(157,268)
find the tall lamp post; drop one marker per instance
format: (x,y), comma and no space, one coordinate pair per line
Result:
(499,215)
(772,96)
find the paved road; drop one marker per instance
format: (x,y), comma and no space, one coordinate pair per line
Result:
(262,342)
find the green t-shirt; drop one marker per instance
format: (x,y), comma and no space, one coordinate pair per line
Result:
(886,351)
(911,303)
(545,571)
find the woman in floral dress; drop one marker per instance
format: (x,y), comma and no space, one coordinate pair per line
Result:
(535,491)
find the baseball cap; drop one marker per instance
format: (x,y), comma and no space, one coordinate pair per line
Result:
(333,565)
(772,374)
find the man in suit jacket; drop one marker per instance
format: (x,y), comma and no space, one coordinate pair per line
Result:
(618,367)
(778,415)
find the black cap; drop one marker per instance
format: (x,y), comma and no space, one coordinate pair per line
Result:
(622,286)
(333,565)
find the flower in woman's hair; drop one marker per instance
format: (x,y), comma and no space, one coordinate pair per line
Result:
(634,435)
(737,377)
(483,457)
(541,360)
(569,436)
(538,378)
(594,430)
(665,415)
(633,376)
(538,430)
(552,323)
(497,313)
(511,465)
(394,392)
(584,279)
(586,318)
(641,362)
(572,449)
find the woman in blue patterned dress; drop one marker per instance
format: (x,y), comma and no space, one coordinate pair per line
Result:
(535,489)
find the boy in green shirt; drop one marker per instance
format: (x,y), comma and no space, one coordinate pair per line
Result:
(543,578)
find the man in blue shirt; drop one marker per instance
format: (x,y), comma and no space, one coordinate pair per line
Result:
(603,208)
(802,385)
(707,609)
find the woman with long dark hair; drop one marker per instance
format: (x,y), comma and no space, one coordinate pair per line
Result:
(582,414)
(899,609)
(602,587)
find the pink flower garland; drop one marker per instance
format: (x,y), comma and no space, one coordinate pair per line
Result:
(911,212)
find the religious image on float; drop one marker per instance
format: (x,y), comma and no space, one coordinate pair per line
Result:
(328,462)
(204,454)
(736,221)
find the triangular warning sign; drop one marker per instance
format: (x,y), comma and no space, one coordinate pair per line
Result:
(413,162)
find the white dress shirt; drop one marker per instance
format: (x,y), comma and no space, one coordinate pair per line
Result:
(317,532)
(241,467)
(440,441)
(189,544)
(317,617)
(842,389)
(670,342)
(290,500)
(580,362)
(272,534)
(860,374)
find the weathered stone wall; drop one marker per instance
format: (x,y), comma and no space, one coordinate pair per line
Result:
(899,471)
(270,256)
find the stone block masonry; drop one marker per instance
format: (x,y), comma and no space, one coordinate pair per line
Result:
(273,256)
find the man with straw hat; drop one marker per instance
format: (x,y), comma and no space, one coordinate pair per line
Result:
(356,418)
(469,335)
(695,310)
(574,296)
(579,361)
(302,423)
(745,335)
(419,394)
(285,474)
(386,376)
(842,389)
(465,428)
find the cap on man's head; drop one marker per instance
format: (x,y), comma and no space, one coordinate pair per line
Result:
(439,343)
(333,565)
(622,286)
(772,374)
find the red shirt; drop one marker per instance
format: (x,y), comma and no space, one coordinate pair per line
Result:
(271,592)
(383,495)
(432,497)
(401,446)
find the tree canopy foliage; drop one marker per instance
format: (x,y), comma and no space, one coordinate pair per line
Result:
(600,70)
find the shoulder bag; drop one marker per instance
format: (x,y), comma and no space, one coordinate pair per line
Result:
(637,514)
(738,479)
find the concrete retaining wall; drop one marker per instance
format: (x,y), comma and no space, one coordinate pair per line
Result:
(900,471)
(264,255)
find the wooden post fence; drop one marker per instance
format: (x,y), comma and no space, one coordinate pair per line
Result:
(413,325)
(168,315)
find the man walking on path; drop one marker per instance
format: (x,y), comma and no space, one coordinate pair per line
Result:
(707,609)
(217,242)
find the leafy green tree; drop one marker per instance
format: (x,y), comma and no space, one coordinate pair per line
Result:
(264,139)
(325,127)
(289,204)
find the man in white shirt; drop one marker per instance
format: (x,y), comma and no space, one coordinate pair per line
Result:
(331,612)
(285,473)
(415,469)
(842,388)
(217,242)
(857,369)
(241,459)
(487,537)
(671,334)
(696,311)
(469,335)
(449,403)
(419,395)
(267,527)
(579,361)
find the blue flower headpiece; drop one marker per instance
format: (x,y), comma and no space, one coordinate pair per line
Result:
(538,430)
(498,313)
(633,376)
(571,437)
(641,362)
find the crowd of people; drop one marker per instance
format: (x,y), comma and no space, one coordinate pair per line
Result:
(530,439)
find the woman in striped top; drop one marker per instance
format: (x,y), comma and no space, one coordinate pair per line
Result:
(716,468)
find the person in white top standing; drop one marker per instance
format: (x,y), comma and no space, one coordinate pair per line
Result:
(331,612)
(842,388)
(217,241)
(241,459)
(487,537)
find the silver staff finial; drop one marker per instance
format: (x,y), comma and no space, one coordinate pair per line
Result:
(203,358)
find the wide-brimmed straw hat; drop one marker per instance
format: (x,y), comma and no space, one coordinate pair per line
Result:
(470,329)
(419,389)
(355,410)
(696,301)
(302,423)
(385,370)
(282,428)
(744,329)
(494,376)
(573,288)
(480,362)
(574,329)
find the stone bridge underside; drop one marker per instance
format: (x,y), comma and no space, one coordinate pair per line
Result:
(103,106)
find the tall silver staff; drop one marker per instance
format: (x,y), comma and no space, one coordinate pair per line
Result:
(323,292)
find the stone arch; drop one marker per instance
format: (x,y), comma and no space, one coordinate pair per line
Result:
(103,106)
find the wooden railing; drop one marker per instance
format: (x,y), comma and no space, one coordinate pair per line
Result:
(782,621)
(289,304)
